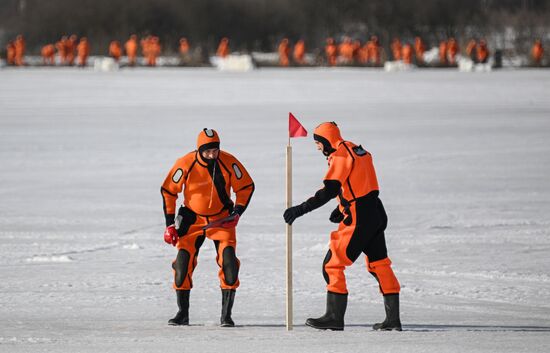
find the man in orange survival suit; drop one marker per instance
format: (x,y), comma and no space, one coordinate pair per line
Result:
(362,221)
(206,177)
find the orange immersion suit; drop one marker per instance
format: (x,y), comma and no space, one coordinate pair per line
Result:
(61,52)
(223,48)
(443,52)
(362,220)
(284,52)
(19,50)
(537,52)
(184,47)
(206,186)
(331,51)
(299,52)
(70,46)
(419,49)
(131,47)
(407,53)
(10,53)
(396,49)
(48,54)
(115,50)
(452,50)
(346,51)
(471,50)
(363,54)
(373,48)
(482,52)
(83,50)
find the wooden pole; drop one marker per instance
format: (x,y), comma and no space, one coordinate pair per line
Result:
(288,239)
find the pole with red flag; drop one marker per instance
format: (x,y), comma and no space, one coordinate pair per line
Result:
(295,129)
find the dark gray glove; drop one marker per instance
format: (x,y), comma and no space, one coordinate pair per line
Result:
(294,212)
(336,216)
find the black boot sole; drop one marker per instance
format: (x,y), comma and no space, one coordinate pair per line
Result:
(393,328)
(332,328)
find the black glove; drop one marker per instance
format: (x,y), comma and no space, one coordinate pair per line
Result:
(336,216)
(237,210)
(294,212)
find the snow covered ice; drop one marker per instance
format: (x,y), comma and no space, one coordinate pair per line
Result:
(463,161)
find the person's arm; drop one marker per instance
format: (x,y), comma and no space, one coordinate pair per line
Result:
(171,187)
(242,184)
(339,169)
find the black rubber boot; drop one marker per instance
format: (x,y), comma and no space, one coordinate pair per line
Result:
(334,317)
(228,296)
(392,321)
(182,317)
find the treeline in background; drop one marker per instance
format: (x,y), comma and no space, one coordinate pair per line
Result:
(258,25)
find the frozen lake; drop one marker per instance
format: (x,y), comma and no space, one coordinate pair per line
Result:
(463,162)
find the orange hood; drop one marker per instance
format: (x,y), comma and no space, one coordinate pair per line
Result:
(328,134)
(208,138)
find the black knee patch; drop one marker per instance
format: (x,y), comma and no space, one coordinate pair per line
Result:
(180,266)
(325,261)
(230,265)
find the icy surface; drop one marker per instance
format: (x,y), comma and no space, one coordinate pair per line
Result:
(463,162)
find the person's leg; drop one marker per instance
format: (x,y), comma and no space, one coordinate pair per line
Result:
(183,266)
(229,277)
(334,265)
(379,265)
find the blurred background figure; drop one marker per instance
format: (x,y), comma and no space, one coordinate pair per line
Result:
(346,51)
(61,47)
(443,53)
(537,52)
(131,47)
(10,53)
(452,50)
(145,44)
(70,48)
(154,51)
(363,54)
(115,50)
(83,51)
(299,52)
(374,51)
(471,50)
(331,52)
(19,50)
(223,48)
(183,50)
(284,52)
(407,53)
(396,49)
(356,49)
(482,52)
(48,54)
(419,49)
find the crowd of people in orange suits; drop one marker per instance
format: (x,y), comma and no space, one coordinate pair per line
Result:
(71,49)
(371,53)
(352,52)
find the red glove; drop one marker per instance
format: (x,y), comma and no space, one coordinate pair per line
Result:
(171,235)
(231,224)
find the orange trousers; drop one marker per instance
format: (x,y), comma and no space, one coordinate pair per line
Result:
(362,231)
(188,250)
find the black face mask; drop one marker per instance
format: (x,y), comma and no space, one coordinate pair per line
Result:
(207,147)
(327,148)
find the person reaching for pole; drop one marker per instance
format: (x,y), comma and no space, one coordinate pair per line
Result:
(206,176)
(361,223)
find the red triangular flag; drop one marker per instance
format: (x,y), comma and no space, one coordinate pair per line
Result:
(295,129)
